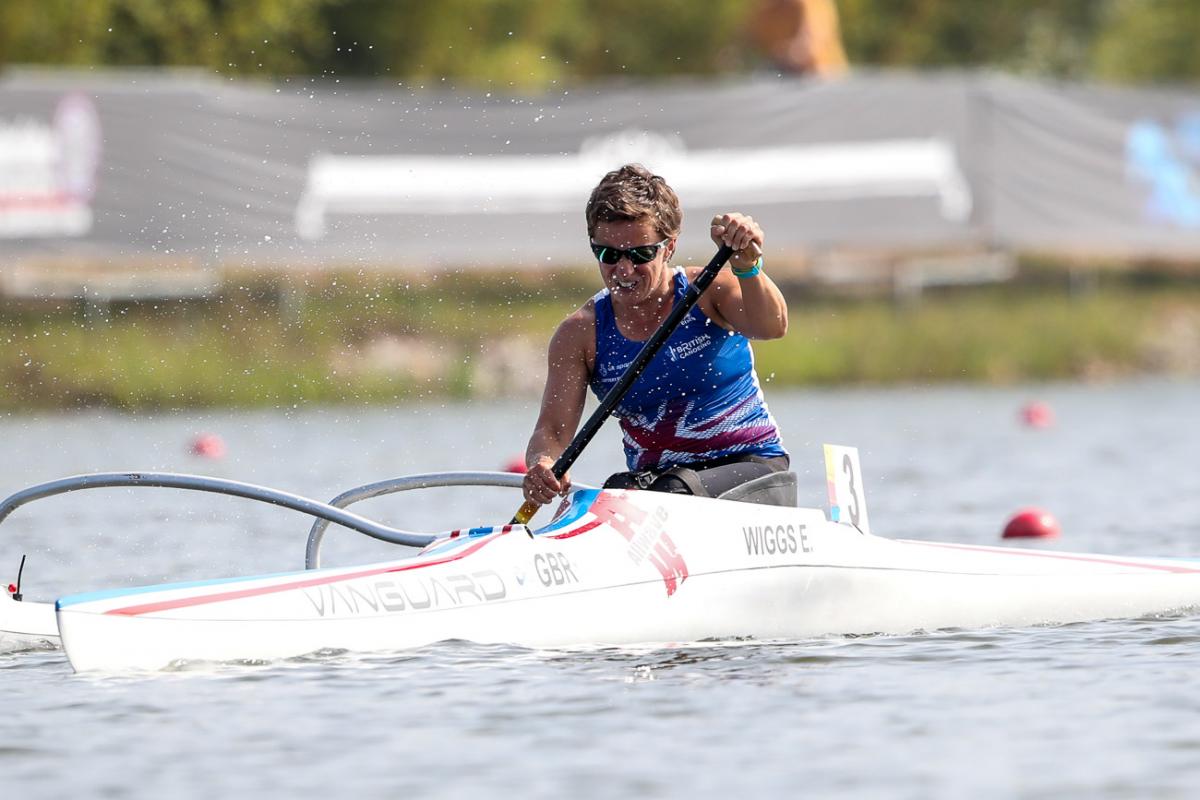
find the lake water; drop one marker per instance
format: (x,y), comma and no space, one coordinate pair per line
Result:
(1107,709)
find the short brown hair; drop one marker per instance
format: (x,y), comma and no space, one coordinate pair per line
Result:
(634,193)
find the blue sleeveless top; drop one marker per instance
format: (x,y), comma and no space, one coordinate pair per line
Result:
(697,399)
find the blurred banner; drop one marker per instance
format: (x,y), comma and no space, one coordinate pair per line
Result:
(194,172)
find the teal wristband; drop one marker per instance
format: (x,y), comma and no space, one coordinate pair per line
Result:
(750,273)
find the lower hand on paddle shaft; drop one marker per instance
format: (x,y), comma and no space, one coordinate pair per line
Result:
(617,392)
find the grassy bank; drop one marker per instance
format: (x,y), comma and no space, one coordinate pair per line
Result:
(372,339)
(993,336)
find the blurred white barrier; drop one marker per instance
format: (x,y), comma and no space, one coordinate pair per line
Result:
(377,185)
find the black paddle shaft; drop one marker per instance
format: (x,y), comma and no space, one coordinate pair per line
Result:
(638,365)
(649,349)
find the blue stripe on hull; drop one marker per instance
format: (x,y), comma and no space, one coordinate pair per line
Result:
(108,594)
(581,501)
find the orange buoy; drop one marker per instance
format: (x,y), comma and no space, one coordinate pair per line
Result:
(208,445)
(1032,523)
(515,464)
(1037,415)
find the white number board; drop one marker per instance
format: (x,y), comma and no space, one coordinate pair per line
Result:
(847,503)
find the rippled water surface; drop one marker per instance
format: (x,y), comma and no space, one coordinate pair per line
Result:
(1103,709)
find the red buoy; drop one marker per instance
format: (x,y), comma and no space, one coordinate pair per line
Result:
(1037,415)
(12,588)
(516,464)
(208,445)
(1032,523)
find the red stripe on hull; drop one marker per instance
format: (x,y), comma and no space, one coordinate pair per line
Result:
(581,529)
(186,602)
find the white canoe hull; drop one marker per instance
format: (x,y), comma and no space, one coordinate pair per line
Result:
(26,625)
(618,568)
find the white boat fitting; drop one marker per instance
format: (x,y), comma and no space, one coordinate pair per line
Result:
(26,625)
(624,568)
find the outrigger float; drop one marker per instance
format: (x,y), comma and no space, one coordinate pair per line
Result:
(610,568)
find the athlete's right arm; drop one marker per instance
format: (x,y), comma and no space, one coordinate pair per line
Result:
(562,405)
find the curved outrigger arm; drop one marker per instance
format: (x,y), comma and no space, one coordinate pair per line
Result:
(201,483)
(508,480)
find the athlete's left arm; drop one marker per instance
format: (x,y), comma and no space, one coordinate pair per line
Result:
(751,305)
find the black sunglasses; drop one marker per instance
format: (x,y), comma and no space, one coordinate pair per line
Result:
(636,255)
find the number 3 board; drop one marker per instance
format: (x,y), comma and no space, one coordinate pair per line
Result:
(843,474)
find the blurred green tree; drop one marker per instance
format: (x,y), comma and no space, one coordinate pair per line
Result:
(533,43)
(1149,41)
(264,36)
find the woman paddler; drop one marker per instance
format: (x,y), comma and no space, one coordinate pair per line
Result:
(695,421)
